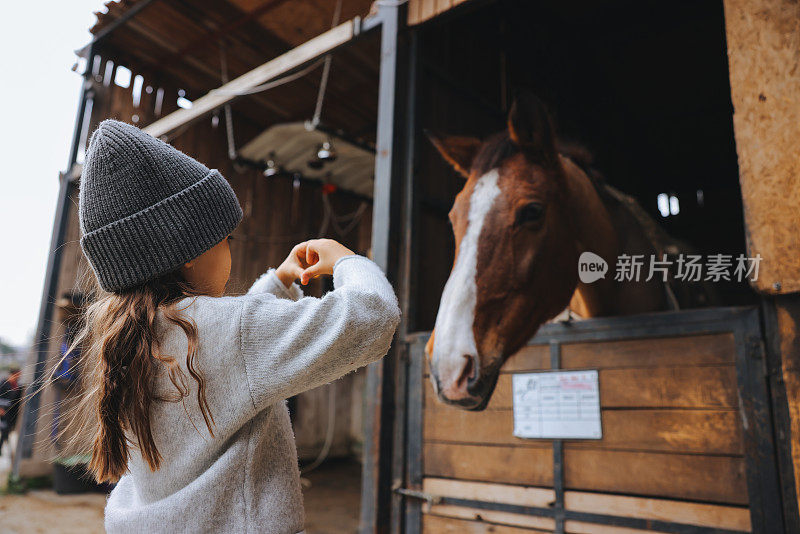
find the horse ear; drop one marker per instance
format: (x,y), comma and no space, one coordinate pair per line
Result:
(457,151)
(530,128)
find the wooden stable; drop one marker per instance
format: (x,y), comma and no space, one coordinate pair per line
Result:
(674,455)
(696,418)
(701,425)
(696,405)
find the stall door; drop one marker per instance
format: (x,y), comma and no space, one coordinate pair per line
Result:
(686,441)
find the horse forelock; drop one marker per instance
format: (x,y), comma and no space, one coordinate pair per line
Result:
(495,150)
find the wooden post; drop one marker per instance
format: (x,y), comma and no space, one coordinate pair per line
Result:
(763,38)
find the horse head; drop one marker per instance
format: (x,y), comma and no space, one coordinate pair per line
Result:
(516,255)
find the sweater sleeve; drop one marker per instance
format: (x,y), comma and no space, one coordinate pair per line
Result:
(270,283)
(293,346)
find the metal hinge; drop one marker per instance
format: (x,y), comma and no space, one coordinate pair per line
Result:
(754,347)
(429,498)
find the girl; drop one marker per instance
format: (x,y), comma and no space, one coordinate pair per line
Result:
(188,387)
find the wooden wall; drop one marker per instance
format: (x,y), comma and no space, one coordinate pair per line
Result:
(618,102)
(763,38)
(672,445)
(764,57)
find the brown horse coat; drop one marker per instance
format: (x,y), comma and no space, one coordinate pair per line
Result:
(525,214)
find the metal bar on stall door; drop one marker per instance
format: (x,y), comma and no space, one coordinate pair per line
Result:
(376,489)
(416,403)
(558,453)
(763,484)
(684,322)
(406,293)
(780,409)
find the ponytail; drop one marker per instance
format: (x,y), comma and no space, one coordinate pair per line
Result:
(120,360)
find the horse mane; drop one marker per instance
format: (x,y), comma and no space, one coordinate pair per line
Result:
(680,294)
(584,159)
(494,150)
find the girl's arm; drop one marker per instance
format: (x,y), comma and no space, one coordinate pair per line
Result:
(281,281)
(289,347)
(270,282)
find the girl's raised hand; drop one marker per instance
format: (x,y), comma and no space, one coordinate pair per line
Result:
(310,259)
(320,257)
(293,266)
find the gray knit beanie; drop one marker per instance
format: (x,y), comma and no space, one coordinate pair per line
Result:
(145,208)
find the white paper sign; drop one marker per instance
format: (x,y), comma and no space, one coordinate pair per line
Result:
(557,405)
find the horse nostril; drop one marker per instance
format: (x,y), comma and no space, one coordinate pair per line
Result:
(475,365)
(469,374)
(466,371)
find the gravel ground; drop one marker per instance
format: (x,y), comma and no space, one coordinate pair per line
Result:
(332,495)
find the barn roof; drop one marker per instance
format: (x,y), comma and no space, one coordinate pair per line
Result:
(183,40)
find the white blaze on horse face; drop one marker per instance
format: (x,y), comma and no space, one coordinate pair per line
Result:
(454,337)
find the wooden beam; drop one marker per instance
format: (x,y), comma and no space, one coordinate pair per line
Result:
(488,492)
(214,35)
(189,77)
(702,514)
(479,520)
(436,524)
(292,59)
(690,513)
(719,479)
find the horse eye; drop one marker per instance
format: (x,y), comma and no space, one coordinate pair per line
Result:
(530,213)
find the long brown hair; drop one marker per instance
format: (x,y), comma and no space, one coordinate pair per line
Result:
(120,357)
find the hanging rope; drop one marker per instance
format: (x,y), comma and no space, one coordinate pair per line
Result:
(223,60)
(271,84)
(330,218)
(323,84)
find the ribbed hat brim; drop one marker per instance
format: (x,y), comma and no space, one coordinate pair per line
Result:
(164,236)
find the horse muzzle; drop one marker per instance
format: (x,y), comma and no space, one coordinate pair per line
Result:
(469,387)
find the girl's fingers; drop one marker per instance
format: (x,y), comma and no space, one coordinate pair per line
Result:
(312,255)
(299,251)
(296,271)
(310,273)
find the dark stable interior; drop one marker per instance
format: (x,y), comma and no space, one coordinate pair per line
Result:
(643,85)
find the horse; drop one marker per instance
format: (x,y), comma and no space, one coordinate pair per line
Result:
(530,206)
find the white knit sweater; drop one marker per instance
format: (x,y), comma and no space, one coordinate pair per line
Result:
(255,351)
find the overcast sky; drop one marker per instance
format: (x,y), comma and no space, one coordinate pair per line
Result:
(39,94)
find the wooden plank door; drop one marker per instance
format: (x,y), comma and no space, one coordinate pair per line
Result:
(687,436)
